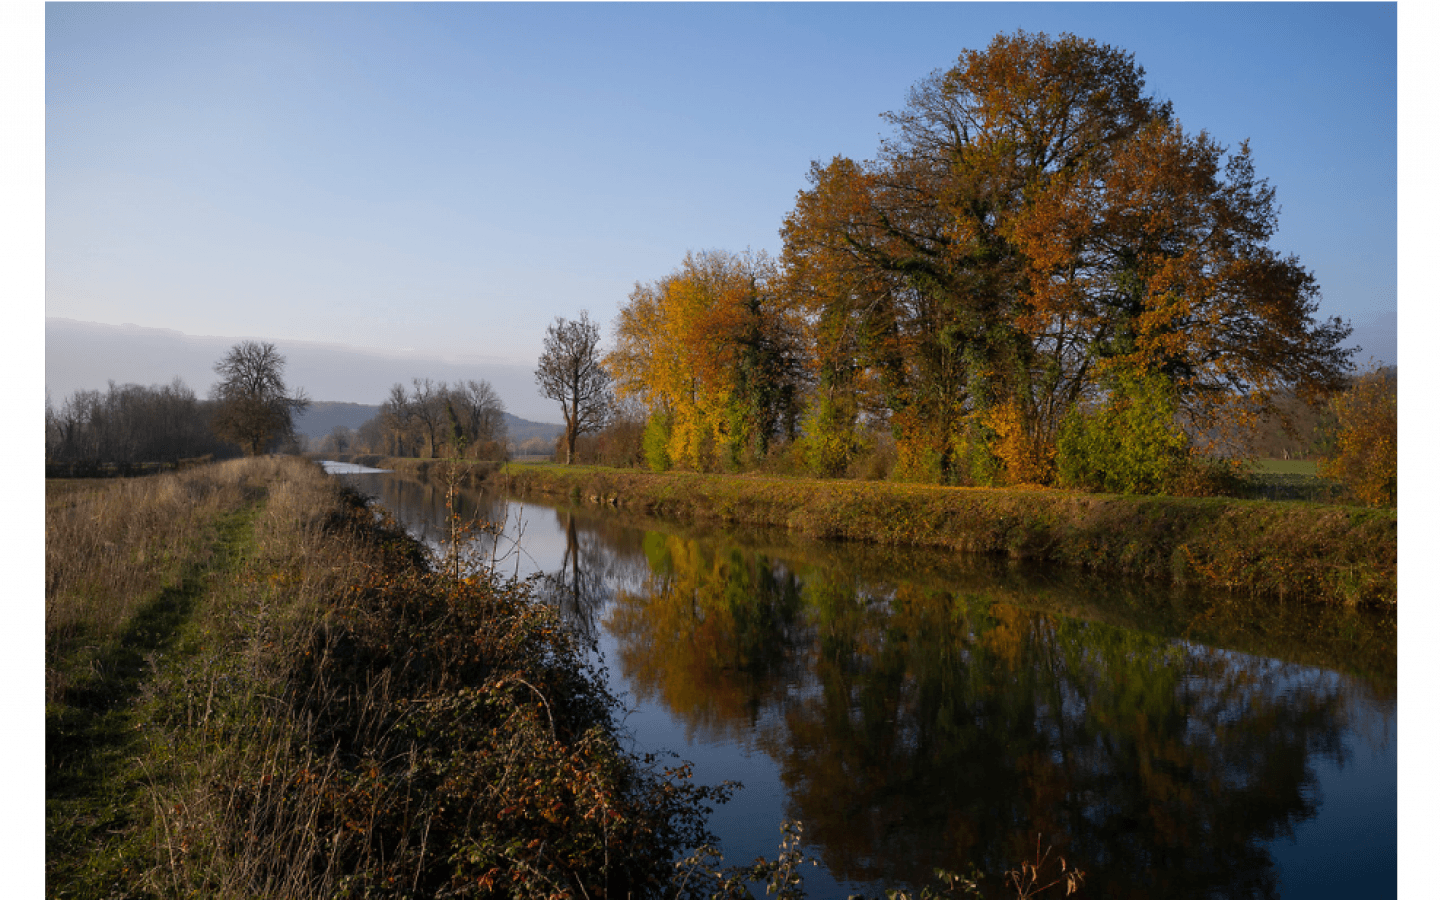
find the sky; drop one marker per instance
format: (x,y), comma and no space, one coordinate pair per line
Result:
(443,180)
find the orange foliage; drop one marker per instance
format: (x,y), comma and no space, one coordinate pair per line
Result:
(1365,453)
(1037,221)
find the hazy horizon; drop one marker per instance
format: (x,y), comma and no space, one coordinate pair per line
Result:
(87,355)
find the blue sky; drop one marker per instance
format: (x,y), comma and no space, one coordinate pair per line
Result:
(445,179)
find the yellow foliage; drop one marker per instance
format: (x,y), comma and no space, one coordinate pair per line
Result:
(679,343)
(1027,458)
(1365,457)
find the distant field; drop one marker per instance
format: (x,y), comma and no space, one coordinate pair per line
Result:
(1285,466)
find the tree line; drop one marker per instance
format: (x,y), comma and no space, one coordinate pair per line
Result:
(434,418)
(129,424)
(1040,278)
(251,410)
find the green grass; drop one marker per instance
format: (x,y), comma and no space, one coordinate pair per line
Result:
(1285,466)
(1291,479)
(96,774)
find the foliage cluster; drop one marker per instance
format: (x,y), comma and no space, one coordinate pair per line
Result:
(712,351)
(1131,445)
(1039,252)
(1362,452)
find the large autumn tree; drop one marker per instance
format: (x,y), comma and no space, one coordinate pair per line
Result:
(713,350)
(1037,227)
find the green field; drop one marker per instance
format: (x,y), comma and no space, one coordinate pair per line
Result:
(1285,467)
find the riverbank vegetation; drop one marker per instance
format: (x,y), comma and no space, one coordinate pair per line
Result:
(255,689)
(1279,550)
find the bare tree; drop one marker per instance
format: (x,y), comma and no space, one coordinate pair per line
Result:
(129,424)
(484,417)
(341,439)
(427,407)
(570,372)
(395,415)
(253,407)
(370,437)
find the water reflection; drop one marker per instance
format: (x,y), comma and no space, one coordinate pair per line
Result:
(949,717)
(917,728)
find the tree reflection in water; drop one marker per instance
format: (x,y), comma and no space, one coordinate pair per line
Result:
(920,728)
(949,714)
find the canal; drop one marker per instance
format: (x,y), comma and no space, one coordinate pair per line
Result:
(922,710)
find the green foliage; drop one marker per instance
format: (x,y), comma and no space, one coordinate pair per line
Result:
(973,460)
(1131,445)
(457,434)
(830,439)
(656,442)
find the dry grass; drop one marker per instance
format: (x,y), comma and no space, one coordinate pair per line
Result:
(275,696)
(111,546)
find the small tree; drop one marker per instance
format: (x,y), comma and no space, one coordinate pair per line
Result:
(570,372)
(253,407)
(1362,454)
(1131,445)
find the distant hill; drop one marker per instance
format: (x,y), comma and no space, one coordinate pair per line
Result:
(323,415)
(522,430)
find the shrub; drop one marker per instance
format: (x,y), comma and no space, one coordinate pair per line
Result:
(1130,445)
(1362,448)
(656,442)
(876,460)
(1025,460)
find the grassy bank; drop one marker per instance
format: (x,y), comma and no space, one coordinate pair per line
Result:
(256,690)
(1285,550)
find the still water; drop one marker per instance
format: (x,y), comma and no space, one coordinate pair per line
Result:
(916,710)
